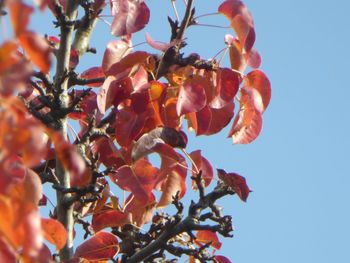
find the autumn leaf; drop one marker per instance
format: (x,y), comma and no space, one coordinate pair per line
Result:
(248,122)
(236,182)
(114,52)
(37,49)
(192,96)
(207,236)
(257,80)
(146,143)
(129,16)
(20,16)
(138,178)
(54,232)
(101,246)
(109,217)
(203,165)
(241,21)
(222,259)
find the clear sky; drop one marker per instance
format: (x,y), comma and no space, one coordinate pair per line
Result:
(299,166)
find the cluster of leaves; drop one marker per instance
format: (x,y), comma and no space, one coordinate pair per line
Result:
(135,104)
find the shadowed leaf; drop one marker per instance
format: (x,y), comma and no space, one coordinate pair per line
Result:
(236,182)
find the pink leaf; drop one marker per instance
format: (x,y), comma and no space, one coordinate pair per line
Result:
(192,96)
(248,123)
(129,16)
(241,21)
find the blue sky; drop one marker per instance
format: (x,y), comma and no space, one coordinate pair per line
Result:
(299,166)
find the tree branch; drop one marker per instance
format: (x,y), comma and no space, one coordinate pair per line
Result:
(64,212)
(190,223)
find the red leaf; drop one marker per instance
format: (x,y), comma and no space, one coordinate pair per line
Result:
(20,16)
(141,212)
(108,152)
(222,259)
(102,246)
(113,92)
(257,79)
(236,182)
(138,179)
(227,84)
(128,125)
(54,232)
(114,52)
(192,96)
(206,236)
(92,73)
(248,123)
(241,21)
(74,58)
(220,118)
(37,49)
(129,16)
(109,218)
(123,67)
(7,253)
(253,58)
(200,121)
(70,158)
(202,165)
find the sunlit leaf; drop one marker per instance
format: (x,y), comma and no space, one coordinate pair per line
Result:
(227,85)
(37,49)
(20,16)
(192,96)
(129,16)
(257,79)
(248,122)
(174,182)
(241,21)
(139,179)
(54,232)
(236,182)
(113,92)
(101,246)
(203,165)
(114,52)
(109,218)
(207,236)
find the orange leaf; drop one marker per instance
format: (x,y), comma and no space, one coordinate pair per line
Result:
(54,232)
(20,15)
(207,236)
(109,218)
(101,246)
(37,49)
